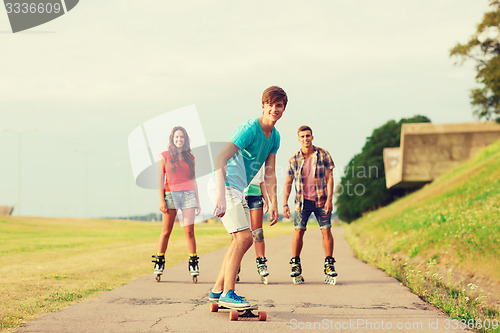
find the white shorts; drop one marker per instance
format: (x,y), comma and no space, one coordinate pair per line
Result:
(237,217)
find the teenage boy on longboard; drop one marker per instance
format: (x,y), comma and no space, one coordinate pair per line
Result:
(252,144)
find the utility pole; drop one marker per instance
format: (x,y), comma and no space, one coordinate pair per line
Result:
(85,154)
(19,162)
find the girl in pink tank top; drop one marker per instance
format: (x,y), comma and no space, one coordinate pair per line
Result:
(178,190)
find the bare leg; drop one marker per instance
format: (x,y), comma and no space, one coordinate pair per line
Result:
(168,223)
(256,219)
(297,242)
(242,241)
(327,242)
(188,226)
(219,283)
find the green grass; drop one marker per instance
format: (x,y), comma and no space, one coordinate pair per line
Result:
(443,241)
(47,263)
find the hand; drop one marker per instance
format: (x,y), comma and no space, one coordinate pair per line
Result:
(220,207)
(328,207)
(266,206)
(198,209)
(286,211)
(273,215)
(163,206)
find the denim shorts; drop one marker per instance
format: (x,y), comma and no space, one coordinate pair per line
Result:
(255,202)
(181,199)
(300,218)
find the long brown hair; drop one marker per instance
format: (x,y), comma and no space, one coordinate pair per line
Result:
(185,151)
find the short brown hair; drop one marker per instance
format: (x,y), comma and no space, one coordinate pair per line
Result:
(304,128)
(273,95)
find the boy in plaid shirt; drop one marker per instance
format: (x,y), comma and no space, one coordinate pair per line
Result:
(312,169)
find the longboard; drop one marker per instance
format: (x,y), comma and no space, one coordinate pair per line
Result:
(236,313)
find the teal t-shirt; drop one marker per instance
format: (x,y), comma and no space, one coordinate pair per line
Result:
(254,149)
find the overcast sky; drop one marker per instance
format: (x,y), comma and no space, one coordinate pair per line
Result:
(80,84)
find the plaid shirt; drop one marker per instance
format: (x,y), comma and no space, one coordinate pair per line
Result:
(322,161)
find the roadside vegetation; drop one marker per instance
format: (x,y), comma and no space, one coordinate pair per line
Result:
(47,263)
(443,241)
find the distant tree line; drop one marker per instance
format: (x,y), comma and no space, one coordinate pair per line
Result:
(362,187)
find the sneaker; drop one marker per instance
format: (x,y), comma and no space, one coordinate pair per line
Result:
(214,296)
(233,300)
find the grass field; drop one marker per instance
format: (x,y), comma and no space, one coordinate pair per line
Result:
(443,241)
(47,263)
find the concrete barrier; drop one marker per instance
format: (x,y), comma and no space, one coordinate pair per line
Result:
(6,210)
(428,150)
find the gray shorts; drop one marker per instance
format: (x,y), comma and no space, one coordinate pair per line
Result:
(181,199)
(237,216)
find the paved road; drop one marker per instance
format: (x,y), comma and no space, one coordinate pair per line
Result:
(365,299)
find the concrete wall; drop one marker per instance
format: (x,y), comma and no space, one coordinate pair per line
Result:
(429,150)
(6,210)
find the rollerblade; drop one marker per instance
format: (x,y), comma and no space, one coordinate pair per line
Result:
(193,268)
(159,261)
(296,272)
(330,274)
(262,269)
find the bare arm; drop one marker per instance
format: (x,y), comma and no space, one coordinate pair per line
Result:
(329,191)
(161,174)
(271,183)
(198,207)
(264,196)
(286,195)
(220,176)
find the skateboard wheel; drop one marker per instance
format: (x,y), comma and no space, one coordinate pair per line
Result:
(214,307)
(262,316)
(233,315)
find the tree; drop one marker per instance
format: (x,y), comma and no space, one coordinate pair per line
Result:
(484,48)
(362,188)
